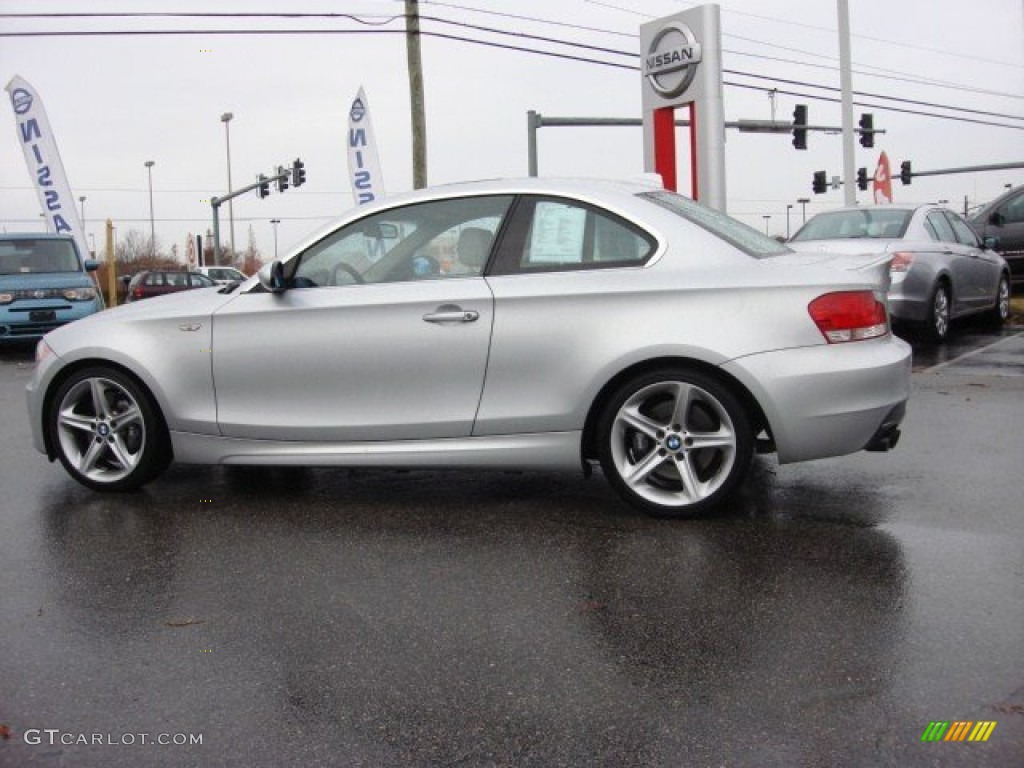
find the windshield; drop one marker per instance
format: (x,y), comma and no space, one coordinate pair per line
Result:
(747,239)
(873,223)
(30,257)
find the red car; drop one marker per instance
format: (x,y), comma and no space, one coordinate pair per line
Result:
(144,285)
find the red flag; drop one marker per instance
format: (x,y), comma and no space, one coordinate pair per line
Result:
(882,186)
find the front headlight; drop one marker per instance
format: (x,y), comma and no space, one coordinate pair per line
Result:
(6,298)
(79,294)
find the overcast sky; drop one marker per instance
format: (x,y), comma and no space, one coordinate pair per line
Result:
(115,102)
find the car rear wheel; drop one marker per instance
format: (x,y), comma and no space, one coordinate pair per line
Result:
(674,442)
(938,315)
(106,430)
(1000,312)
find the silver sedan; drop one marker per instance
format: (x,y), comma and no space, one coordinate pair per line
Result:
(941,269)
(514,324)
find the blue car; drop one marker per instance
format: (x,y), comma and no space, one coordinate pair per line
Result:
(44,284)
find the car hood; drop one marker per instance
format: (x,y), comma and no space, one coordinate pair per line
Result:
(198,303)
(34,281)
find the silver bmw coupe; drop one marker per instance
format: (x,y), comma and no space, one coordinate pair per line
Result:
(507,324)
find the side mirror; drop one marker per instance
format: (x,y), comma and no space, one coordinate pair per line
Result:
(271,277)
(992,243)
(91,265)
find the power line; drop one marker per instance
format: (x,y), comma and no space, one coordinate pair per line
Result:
(522,49)
(884,73)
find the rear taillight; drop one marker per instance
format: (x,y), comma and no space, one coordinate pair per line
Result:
(849,316)
(901,261)
(137,292)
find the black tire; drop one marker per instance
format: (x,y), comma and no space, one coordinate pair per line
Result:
(937,325)
(107,431)
(1000,311)
(674,442)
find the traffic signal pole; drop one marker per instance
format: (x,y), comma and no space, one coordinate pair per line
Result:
(217,202)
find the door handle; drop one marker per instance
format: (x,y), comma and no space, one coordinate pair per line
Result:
(452,315)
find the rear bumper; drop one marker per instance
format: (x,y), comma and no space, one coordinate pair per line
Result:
(832,399)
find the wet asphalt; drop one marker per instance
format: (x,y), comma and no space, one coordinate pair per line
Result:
(368,618)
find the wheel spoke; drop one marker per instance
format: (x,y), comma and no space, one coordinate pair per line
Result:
(68,418)
(693,488)
(632,417)
(637,474)
(683,398)
(723,438)
(87,463)
(99,400)
(126,418)
(121,453)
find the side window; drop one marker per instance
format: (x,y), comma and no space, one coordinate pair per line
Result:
(964,234)
(1014,210)
(556,235)
(941,227)
(177,279)
(154,278)
(425,241)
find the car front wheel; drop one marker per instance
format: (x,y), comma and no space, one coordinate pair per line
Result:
(674,442)
(107,431)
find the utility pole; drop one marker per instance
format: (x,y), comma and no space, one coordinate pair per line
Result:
(846,83)
(419,125)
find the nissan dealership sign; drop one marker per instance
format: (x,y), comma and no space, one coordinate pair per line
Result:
(671,59)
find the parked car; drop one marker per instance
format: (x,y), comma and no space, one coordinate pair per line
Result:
(145,285)
(1003,219)
(221,275)
(513,324)
(44,284)
(941,270)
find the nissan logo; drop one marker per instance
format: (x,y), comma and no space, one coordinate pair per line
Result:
(671,62)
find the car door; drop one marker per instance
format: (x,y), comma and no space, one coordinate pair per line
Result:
(957,260)
(374,338)
(983,274)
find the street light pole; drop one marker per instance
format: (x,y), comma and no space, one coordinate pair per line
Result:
(275,222)
(789,207)
(226,119)
(766,217)
(152,227)
(803,207)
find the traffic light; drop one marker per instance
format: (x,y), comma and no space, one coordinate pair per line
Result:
(862,178)
(820,182)
(282,178)
(800,126)
(867,130)
(264,188)
(905,172)
(298,173)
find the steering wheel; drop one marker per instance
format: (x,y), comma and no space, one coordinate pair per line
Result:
(343,267)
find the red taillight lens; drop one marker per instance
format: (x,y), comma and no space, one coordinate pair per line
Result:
(901,261)
(849,316)
(137,292)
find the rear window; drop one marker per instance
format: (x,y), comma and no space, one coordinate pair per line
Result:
(29,257)
(734,232)
(874,223)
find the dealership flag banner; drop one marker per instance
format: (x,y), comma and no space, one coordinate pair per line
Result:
(881,188)
(44,165)
(363,163)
